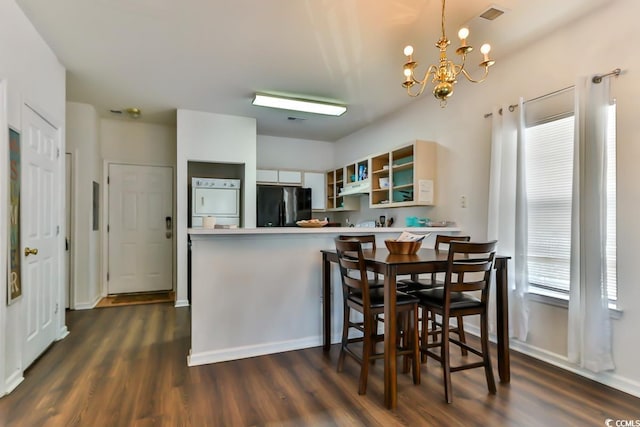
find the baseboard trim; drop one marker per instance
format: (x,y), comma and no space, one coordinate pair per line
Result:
(182,303)
(63,333)
(610,379)
(13,381)
(87,305)
(203,358)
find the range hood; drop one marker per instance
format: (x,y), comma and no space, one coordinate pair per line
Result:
(356,188)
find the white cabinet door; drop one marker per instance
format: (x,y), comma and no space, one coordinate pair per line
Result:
(315,181)
(267,175)
(290,177)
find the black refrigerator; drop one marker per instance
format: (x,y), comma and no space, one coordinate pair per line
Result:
(280,206)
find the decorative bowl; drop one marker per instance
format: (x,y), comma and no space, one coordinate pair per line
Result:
(403,248)
(312,223)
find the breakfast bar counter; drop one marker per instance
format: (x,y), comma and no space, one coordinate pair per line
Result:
(258,291)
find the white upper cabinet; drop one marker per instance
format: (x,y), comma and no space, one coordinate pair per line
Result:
(274,176)
(315,181)
(267,175)
(290,177)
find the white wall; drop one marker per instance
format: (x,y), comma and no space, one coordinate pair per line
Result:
(216,138)
(83,144)
(139,143)
(32,74)
(597,43)
(291,153)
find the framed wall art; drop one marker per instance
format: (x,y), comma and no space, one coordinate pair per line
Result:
(14,290)
(96,206)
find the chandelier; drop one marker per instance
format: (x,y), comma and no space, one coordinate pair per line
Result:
(444,74)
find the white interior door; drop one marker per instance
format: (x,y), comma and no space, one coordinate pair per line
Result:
(40,227)
(140,229)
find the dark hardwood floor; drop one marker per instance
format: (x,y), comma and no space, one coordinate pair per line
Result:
(126,366)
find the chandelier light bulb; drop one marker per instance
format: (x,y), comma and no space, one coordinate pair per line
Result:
(485,48)
(463,33)
(408,50)
(407,72)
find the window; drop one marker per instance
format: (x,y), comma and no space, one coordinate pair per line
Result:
(549,164)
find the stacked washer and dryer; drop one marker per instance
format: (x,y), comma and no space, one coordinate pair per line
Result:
(215,198)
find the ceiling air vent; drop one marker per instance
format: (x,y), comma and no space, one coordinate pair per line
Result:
(491,13)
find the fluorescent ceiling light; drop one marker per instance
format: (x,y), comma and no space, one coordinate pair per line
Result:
(295,104)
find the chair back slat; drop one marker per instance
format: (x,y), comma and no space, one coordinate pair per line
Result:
(368,240)
(442,240)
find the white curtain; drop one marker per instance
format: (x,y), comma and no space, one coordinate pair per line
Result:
(589,329)
(508,209)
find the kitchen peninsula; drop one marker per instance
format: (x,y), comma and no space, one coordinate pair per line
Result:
(258,291)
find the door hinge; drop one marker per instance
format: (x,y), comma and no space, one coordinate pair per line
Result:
(108,180)
(56,312)
(57,230)
(108,228)
(107,276)
(57,152)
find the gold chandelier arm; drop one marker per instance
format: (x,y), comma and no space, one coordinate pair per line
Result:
(423,83)
(417,94)
(466,74)
(459,68)
(432,70)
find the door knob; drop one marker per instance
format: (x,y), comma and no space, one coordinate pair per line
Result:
(29,251)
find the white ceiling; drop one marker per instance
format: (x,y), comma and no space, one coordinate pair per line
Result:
(213,55)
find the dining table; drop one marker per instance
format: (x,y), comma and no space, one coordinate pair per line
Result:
(390,265)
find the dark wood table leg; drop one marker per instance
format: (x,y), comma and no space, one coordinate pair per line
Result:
(502,319)
(390,368)
(326,302)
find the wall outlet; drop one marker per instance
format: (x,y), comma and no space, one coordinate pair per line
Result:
(463,202)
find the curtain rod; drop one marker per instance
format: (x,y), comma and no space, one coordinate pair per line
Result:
(596,79)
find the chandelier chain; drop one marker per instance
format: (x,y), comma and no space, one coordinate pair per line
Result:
(442,21)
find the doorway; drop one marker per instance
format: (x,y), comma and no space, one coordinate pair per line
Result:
(140,229)
(68,162)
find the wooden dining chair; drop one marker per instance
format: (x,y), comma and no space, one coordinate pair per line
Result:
(469,268)
(442,243)
(359,296)
(416,284)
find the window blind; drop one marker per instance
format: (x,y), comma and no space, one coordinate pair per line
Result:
(549,164)
(611,243)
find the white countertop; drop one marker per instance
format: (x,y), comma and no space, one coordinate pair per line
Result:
(318,230)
